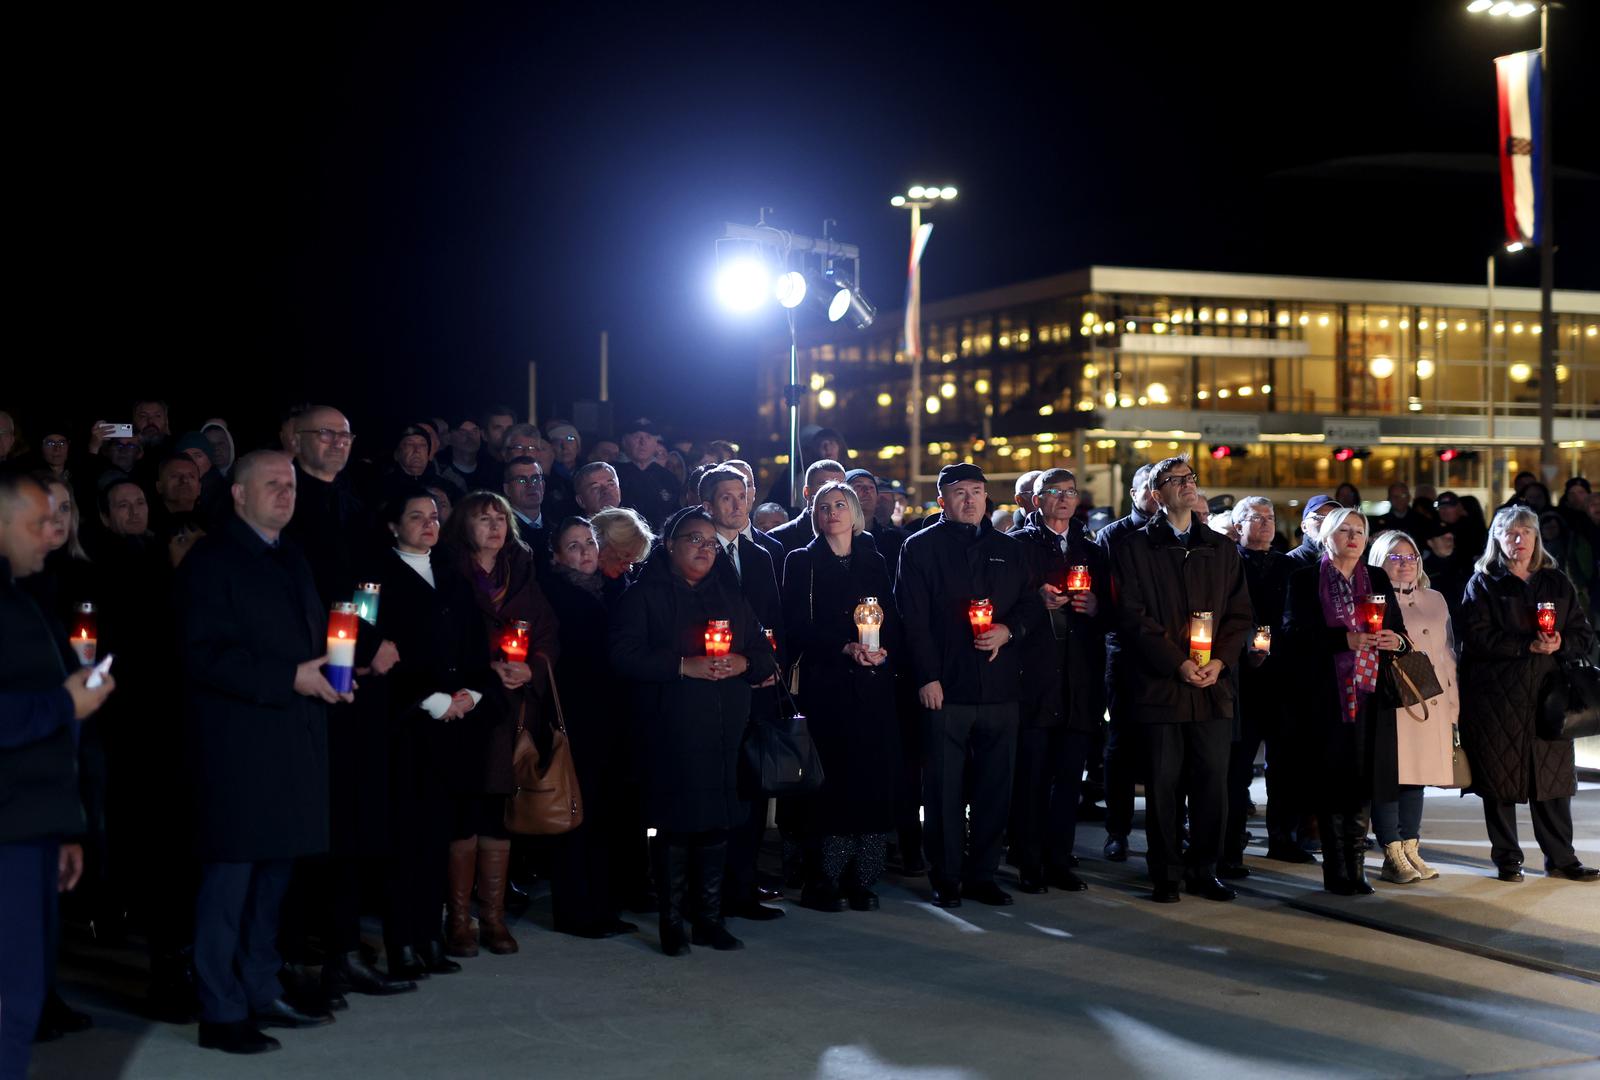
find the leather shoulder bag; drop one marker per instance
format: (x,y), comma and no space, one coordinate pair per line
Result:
(547,800)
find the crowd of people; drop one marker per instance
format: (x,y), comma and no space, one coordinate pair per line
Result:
(241,786)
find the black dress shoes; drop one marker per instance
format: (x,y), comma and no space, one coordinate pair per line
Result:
(239,1038)
(404,963)
(946,895)
(282,1014)
(1066,880)
(347,972)
(1031,884)
(1510,873)
(987,892)
(1288,851)
(1232,871)
(1575,872)
(1210,888)
(436,959)
(1165,892)
(821,897)
(1117,848)
(755,911)
(863,900)
(765,895)
(58,1019)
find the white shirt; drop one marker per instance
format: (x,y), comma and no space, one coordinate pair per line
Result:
(422,564)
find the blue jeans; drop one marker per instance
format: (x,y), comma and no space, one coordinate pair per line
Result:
(1400,820)
(28,873)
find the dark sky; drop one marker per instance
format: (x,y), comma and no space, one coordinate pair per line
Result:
(396,209)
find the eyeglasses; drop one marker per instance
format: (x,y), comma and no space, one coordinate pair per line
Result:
(1405,560)
(567,438)
(696,540)
(518,448)
(328,436)
(526,481)
(1060,493)
(1181,479)
(49,444)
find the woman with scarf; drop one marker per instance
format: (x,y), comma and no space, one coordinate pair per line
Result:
(690,714)
(482,545)
(1342,663)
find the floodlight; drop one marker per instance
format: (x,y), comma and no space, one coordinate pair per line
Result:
(743,284)
(791,289)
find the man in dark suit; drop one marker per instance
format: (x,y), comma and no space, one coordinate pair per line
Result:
(799,532)
(773,547)
(252,632)
(748,567)
(523,488)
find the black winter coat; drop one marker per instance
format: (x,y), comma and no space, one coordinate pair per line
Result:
(1501,683)
(943,568)
(596,713)
(1157,583)
(652,491)
(1262,689)
(1117,666)
(248,614)
(687,732)
(1063,666)
(850,708)
(38,746)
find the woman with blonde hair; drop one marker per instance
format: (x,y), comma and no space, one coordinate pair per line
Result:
(625,541)
(1419,751)
(1506,656)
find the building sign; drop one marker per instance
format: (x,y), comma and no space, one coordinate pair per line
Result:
(1211,345)
(1347,431)
(1231,429)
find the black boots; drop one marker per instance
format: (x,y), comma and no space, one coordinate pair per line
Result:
(1355,850)
(672,887)
(344,972)
(710,860)
(1344,852)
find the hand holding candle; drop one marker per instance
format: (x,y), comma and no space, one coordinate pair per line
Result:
(342,627)
(1078,579)
(85,635)
(514,642)
(980,613)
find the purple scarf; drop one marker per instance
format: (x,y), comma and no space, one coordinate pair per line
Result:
(1356,671)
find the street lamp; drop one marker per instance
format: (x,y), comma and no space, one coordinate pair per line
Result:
(1546,224)
(918,197)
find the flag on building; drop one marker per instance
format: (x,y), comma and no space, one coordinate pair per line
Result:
(913,330)
(1522,155)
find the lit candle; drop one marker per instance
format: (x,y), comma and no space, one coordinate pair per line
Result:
(342,626)
(1200,623)
(869,623)
(1262,642)
(1547,618)
(366,601)
(719,637)
(772,639)
(981,614)
(514,642)
(1078,579)
(85,637)
(1370,611)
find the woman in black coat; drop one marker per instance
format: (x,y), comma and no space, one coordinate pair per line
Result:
(436,700)
(1505,661)
(847,693)
(1341,668)
(581,895)
(690,714)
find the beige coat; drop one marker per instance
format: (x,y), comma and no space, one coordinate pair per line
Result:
(1425,749)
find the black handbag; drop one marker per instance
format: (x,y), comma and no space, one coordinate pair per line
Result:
(1570,706)
(1412,681)
(779,757)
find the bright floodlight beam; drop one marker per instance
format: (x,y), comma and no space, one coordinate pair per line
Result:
(1480,5)
(791,289)
(743,285)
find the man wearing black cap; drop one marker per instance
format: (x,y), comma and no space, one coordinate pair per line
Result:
(1316,509)
(647,487)
(969,683)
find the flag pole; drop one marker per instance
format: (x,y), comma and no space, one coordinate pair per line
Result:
(1547,262)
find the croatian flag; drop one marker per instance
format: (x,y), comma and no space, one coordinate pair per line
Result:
(1522,157)
(913,328)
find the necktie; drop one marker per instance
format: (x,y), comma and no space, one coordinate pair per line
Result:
(732,548)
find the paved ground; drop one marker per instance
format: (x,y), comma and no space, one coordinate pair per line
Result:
(1463,976)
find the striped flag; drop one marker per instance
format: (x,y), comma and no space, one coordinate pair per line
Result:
(913,329)
(1522,156)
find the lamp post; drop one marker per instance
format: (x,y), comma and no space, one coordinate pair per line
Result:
(917,198)
(1547,238)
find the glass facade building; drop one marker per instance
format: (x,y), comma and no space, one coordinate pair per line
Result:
(1105,368)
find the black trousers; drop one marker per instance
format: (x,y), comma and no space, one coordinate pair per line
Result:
(236,937)
(29,870)
(1284,796)
(967,749)
(1552,828)
(1044,797)
(1186,758)
(1125,757)
(744,848)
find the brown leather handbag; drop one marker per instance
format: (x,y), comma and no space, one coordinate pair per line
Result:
(547,801)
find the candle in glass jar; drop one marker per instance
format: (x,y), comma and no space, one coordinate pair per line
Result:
(1370,611)
(981,614)
(1547,618)
(719,637)
(869,623)
(514,642)
(1262,642)
(1200,624)
(366,601)
(1078,579)
(342,628)
(85,636)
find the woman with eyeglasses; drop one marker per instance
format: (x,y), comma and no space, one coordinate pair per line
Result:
(690,713)
(1506,658)
(1420,752)
(1337,656)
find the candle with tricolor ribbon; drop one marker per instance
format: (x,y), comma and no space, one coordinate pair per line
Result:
(719,637)
(366,601)
(1200,627)
(85,635)
(514,642)
(343,624)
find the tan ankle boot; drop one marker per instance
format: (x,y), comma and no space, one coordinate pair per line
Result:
(493,865)
(1414,857)
(463,868)
(1395,867)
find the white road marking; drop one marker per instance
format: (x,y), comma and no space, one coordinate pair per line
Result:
(1050,930)
(963,925)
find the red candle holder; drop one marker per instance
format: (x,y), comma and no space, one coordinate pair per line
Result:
(85,635)
(980,613)
(1078,579)
(719,637)
(514,642)
(1547,618)
(1370,611)
(772,639)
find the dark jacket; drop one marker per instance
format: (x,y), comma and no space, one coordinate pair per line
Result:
(595,710)
(943,569)
(1501,682)
(1116,666)
(757,581)
(1063,665)
(248,614)
(1262,694)
(795,533)
(653,492)
(889,541)
(1308,553)
(1157,583)
(687,732)
(850,708)
(38,735)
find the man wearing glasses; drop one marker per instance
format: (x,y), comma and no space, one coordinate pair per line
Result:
(1317,508)
(1164,573)
(524,490)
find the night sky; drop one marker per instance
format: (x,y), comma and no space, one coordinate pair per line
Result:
(394,210)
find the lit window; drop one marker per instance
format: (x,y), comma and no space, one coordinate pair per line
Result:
(981,386)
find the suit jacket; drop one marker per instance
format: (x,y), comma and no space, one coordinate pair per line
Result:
(757,582)
(795,534)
